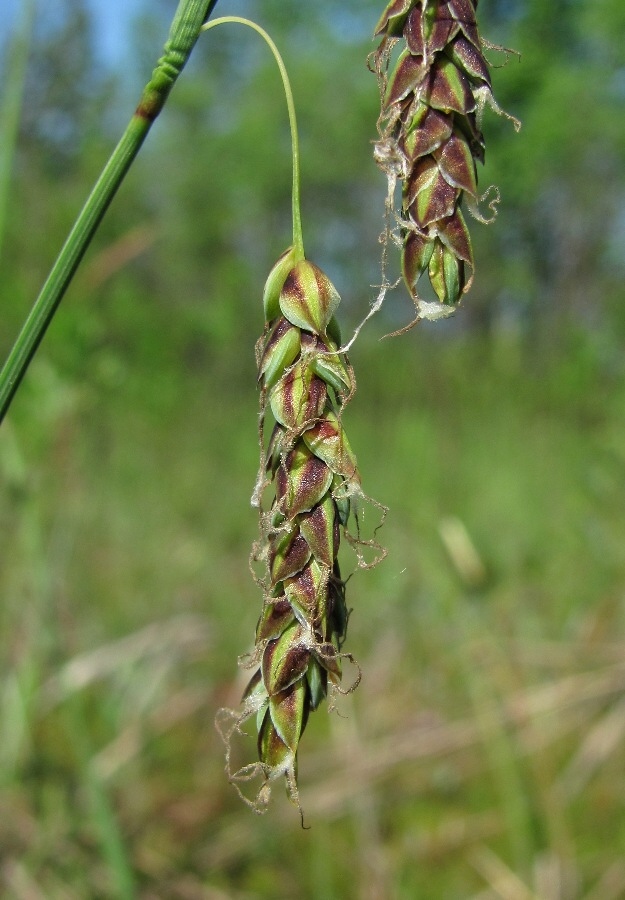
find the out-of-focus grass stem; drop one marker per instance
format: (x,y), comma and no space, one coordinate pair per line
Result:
(500,749)
(111,839)
(183,34)
(13,81)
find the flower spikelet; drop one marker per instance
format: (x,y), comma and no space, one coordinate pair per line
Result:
(305,382)
(430,138)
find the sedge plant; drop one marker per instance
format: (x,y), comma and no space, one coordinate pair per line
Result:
(430,139)
(308,464)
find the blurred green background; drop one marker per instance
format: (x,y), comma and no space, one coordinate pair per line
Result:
(483,754)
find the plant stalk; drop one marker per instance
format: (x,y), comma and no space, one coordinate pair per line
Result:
(184,32)
(298,241)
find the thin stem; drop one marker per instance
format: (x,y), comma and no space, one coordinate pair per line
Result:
(298,241)
(184,32)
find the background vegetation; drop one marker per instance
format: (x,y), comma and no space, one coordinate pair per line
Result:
(482,755)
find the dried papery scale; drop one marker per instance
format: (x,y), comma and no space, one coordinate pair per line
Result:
(305,382)
(431,138)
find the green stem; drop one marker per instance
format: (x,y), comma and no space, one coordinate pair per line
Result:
(298,241)
(184,32)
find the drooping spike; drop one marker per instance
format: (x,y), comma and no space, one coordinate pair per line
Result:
(429,136)
(305,383)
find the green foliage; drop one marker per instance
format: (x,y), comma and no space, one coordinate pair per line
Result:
(487,732)
(125,590)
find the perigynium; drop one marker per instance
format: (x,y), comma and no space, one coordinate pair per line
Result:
(431,138)
(305,383)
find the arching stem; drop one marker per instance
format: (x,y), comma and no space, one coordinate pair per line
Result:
(298,242)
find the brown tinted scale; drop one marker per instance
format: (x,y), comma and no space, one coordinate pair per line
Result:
(436,203)
(463,11)
(321,531)
(289,710)
(407,77)
(294,287)
(281,671)
(413,33)
(271,748)
(418,249)
(325,430)
(457,166)
(292,560)
(281,327)
(394,17)
(303,485)
(275,617)
(441,29)
(326,440)
(427,135)
(304,586)
(299,407)
(455,235)
(448,89)
(322,286)
(422,177)
(472,61)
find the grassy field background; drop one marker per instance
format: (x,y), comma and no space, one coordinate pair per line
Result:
(481,757)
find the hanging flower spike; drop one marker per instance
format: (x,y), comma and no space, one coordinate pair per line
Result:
(430,137)
(305,382)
